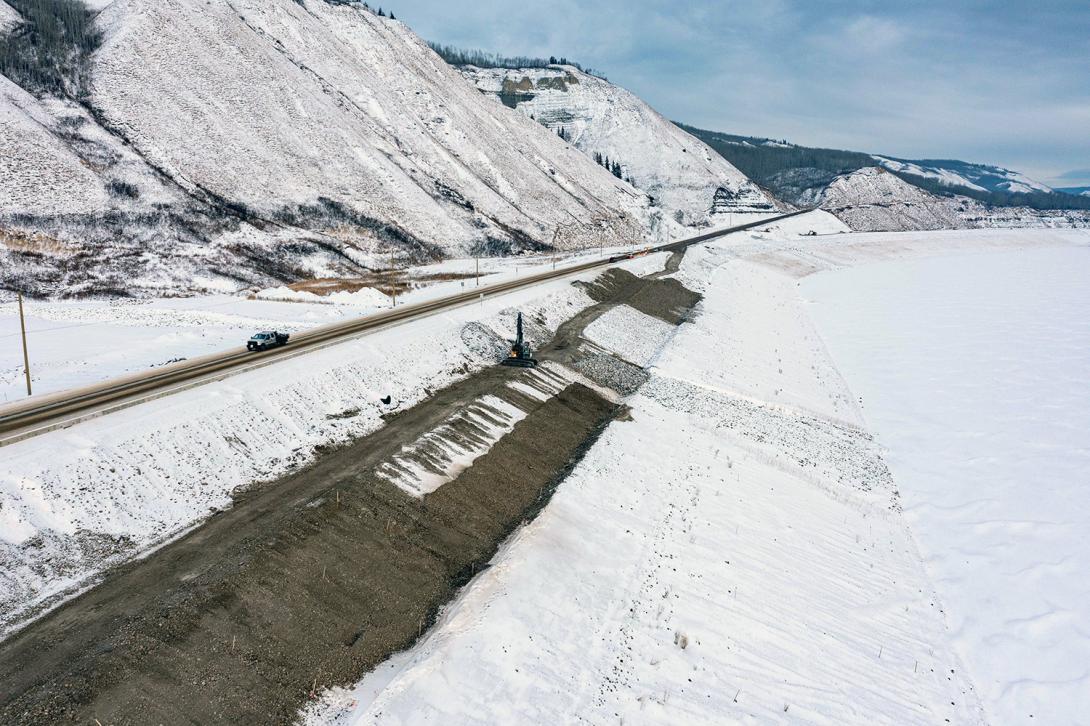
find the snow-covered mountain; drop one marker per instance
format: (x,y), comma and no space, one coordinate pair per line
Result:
(953,173)
(685,179)
(800,175)
(873,199)
(236,142)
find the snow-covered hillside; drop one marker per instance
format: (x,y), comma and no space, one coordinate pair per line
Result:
(875,200)
(685,178)
(240,142)
(8,17)
(979,177)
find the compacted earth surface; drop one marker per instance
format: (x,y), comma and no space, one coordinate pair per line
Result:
(311,580)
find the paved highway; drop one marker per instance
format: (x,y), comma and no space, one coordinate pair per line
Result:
(39,414)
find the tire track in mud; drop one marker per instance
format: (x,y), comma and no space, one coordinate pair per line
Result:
(312,580)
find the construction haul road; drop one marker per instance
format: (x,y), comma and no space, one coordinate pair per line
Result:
(39,414)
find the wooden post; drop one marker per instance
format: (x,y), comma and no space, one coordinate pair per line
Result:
(26,356)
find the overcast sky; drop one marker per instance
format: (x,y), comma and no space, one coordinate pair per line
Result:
(996,82)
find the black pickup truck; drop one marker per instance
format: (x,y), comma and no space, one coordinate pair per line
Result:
(266,339)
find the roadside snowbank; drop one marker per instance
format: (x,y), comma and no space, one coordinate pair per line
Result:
(366,297)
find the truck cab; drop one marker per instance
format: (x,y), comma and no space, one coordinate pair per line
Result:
(266,339)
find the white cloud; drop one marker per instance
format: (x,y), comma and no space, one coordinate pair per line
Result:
(870,34)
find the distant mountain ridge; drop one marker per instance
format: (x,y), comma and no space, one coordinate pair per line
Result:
(874,199)
(798,174)
(962,174)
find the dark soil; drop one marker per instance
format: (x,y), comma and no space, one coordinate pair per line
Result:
(304,583)
(663,298)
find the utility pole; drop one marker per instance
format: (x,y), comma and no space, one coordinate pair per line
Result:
(26,356)
(393,282)
(477,261)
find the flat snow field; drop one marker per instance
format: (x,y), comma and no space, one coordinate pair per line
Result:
(974,371)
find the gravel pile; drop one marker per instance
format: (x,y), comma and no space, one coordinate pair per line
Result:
(607,370)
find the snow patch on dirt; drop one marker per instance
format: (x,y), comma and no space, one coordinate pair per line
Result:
(439,456)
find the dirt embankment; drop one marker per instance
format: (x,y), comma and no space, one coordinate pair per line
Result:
(314,579)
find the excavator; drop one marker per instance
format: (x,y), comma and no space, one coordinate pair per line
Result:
(520,354)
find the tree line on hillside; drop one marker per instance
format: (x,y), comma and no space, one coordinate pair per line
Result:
(379,12)
(613,166)
(483,59)
(49,52)
(761,161)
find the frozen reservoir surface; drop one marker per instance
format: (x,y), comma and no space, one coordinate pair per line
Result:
(974,372)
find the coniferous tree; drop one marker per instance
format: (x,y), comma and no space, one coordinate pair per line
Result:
(481,59)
